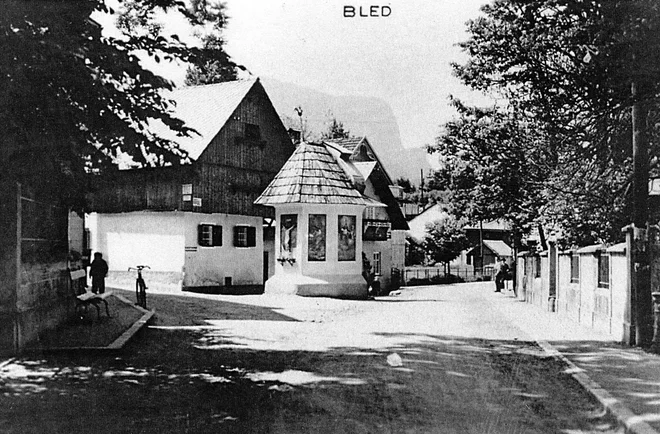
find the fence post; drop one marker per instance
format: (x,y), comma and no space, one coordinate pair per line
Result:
(655,344)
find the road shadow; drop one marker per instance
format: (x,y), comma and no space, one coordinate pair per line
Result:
(191,380)
(186,310)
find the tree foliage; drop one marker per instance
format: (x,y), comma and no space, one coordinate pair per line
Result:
(213,65)
(445,240)
(559,151)
(74,98)
(336,130)
(407,186)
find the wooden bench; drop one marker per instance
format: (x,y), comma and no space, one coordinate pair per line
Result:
(88,298)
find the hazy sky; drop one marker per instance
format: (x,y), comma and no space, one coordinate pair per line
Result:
(403,58)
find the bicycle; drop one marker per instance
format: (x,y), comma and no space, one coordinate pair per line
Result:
(140,286)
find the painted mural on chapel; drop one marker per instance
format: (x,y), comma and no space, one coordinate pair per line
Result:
(316,240)
(346,238)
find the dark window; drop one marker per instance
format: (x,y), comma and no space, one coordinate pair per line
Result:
(377,264)
(575,268)
(245,236)
(209,235)
(603,271)
(252,132)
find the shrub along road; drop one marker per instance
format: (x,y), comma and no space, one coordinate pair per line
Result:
(429,360)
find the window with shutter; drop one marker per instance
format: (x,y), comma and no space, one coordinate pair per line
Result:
(205,235)
(251,236)
(209,235)
(217,235)
(245,236)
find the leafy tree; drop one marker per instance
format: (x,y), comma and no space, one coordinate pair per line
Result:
(406,185)
(74,99)
(445,240)
(488,164)
(336,130)
(213,65)
(564,68)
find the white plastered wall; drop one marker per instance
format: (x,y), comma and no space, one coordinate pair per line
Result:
(167,242)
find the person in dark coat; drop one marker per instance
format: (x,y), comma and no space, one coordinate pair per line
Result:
(97,271)
(501,274)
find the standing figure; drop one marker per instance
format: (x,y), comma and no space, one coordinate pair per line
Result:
(97,271)
(501,274)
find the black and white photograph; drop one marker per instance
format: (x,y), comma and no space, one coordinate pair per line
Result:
(330,216)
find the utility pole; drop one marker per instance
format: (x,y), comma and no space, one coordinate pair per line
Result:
(421,185)
(481,245)
(640,273)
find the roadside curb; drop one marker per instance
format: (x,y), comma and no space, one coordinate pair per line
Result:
(136,327)
(118,343)
(630,421)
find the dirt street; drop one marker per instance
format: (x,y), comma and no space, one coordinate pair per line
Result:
(429,360)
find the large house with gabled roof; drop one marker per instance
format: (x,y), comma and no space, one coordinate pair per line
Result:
(196,225)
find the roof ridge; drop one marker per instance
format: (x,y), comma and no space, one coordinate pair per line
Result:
(220,83)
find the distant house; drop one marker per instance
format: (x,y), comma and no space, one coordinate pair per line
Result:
(384,228)
(196,225)
(495,235)
(491,251)
(360,150)
(430,215)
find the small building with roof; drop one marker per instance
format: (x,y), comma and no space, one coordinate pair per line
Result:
(196,224)
(319,203)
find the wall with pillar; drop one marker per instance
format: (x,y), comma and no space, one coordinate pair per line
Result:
(589,285)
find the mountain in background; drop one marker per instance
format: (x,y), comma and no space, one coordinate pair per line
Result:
(361,116)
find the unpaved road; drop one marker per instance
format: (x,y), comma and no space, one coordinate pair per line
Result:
(430,360)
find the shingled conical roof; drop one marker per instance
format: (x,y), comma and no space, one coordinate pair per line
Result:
(312,175)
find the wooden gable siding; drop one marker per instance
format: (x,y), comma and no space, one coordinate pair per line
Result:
(230,147)
(231,190)
(228,176)
(234,169)
(158,189)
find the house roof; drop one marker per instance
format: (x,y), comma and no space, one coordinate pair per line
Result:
(500,248)
(351,143)
(313,175)
(418,224)
(206,109)
(494,225)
